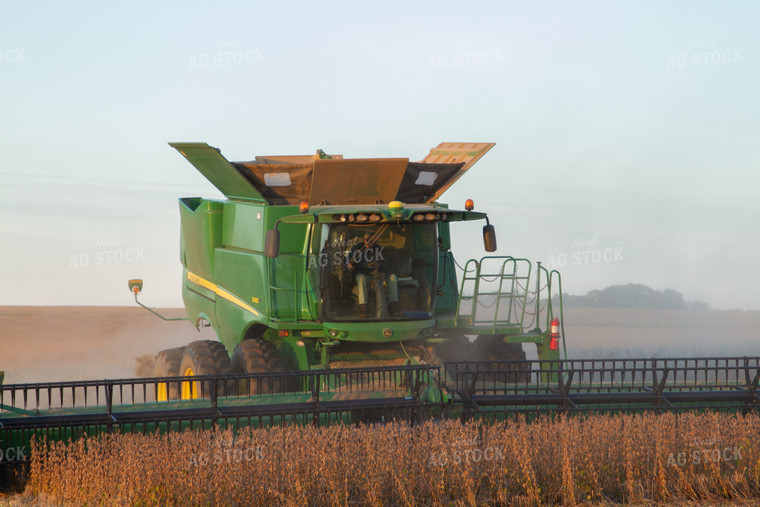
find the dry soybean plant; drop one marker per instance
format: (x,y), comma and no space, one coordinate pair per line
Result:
(551,460)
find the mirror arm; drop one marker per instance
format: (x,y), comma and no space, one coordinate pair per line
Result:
(151,310)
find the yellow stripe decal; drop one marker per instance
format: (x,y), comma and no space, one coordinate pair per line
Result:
(200,281)
(192,277)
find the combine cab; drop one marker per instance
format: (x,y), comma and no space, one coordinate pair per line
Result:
(319,262)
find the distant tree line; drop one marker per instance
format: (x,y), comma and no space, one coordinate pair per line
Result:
(633,296)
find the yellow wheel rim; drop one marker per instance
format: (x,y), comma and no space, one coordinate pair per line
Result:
(190,390)
(162,392)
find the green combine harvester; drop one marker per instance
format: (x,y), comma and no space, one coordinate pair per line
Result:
(331,286)
(322,262)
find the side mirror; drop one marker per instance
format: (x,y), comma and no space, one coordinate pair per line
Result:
(135,286)
(489,238)
(272,243)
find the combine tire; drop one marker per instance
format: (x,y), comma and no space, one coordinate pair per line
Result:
(204,357)
(256,355)
(167,365)
(491,348)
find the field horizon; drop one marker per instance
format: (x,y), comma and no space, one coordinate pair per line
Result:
(96,342)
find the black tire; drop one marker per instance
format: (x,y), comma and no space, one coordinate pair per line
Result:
(492,348)
(203,357)
(167,365)
(256,355)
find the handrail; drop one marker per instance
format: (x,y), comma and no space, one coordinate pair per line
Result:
(35,398)
(550,275)
(465,278)
(273,288)
(473,272)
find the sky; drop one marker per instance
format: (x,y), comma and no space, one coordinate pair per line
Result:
(626,132)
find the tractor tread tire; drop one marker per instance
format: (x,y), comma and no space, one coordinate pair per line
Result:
(256,355)
(167,365)
(204,357)
(168,361)
(207,357)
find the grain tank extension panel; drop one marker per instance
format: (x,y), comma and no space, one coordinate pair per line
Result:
(335,181)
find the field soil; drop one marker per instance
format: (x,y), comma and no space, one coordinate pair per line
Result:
(41,344)
(611,332)
(56,343)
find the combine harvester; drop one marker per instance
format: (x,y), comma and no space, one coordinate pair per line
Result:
(332,288)
(363,275)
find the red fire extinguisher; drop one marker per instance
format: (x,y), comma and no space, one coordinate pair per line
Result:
(554,334)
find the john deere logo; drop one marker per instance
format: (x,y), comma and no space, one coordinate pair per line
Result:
(387,332)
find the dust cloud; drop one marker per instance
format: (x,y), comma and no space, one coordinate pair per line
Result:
(67,343)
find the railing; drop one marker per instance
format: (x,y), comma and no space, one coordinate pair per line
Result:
(553,281)
(497,293)
(275,309)
(606,384)
(107,396)
(319,391)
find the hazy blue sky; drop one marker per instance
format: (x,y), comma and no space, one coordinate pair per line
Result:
(627,133)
